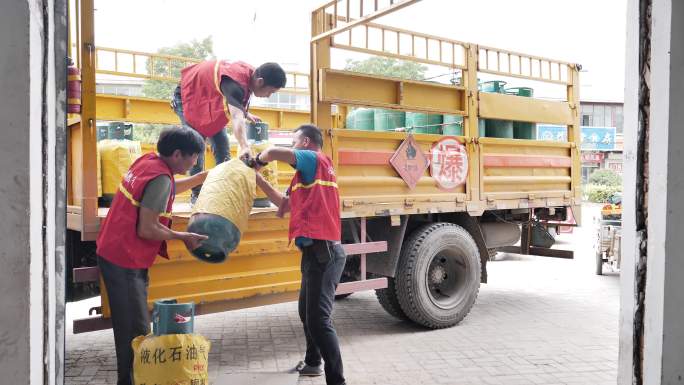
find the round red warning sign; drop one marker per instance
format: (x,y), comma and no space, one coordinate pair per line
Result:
(449,163)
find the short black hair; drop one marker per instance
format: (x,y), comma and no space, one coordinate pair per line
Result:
(312,132)
(273,75)
(173,138)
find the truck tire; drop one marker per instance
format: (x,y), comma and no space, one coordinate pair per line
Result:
(388,300)
(438,277)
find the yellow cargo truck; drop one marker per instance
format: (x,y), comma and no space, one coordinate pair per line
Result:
(423,203)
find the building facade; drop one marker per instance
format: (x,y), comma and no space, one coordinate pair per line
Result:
(605,115)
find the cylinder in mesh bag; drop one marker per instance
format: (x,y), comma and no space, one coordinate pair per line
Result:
(222,209)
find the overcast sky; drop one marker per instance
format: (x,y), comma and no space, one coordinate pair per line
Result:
(589,32)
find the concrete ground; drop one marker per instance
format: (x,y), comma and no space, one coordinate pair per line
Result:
(537,321)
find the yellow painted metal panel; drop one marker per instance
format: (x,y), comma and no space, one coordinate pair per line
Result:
(146,110)
(376,188)
(263,264)
(526,172)
(356,89)
(88,143)
(524,167)
(135,109)
(450,99)
(574,132)
(509,107)
(352,88)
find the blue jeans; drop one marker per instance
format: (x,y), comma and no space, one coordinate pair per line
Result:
(220,145)
(322,266)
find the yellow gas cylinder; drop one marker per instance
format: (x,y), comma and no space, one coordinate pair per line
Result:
(116,156)
(257,135)
(269,172)
(222,209)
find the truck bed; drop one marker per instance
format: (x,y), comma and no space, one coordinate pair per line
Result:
(263,269)
(182,211)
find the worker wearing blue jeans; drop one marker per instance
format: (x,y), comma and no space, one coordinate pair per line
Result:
(220,144)
(314,204)
(213,93)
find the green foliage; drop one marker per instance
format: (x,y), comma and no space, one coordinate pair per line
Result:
(387,67)
(600,193)
(605,178)
(147,133)
(161,89)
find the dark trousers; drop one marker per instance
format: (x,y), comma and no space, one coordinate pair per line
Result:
(220,145)
(127,292)
(322,265)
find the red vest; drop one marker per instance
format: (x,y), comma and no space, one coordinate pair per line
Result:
(315,207)
(118,241)
(204,106)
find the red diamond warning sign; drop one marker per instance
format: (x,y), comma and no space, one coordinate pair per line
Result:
(409,161)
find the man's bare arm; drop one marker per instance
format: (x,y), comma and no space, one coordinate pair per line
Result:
(282,154)
(240,130)
(273,195)
(185,184)
(149,227)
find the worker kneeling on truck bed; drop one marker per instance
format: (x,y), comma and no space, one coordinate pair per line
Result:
(314,205)
(136,230)
(199,103)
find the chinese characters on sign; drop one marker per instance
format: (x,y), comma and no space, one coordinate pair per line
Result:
(173,354)
(592,157)
(593,138)
(171,359)
(552,132)
(615,167)
(449,163)
(409,161)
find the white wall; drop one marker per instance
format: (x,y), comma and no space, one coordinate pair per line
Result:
(663,332)
(629,170)
(664,321)
(31,346)
(14,187)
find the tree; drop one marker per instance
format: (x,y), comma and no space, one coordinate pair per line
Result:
(146,132)
(387,67)
(605,178)
(162,89)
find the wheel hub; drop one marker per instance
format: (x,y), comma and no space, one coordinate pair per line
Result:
(445,277)
(437,275)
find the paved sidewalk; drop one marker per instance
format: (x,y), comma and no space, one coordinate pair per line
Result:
(538,321)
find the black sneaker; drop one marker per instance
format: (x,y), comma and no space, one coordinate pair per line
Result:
(308,371)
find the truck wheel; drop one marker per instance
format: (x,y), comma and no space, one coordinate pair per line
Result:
(388,300)
(438,277)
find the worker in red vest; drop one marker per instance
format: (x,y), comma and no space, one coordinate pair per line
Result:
(314,205)
(215,92)
(135,231)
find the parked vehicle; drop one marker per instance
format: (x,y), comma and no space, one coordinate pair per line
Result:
(609,235)
(447,173)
